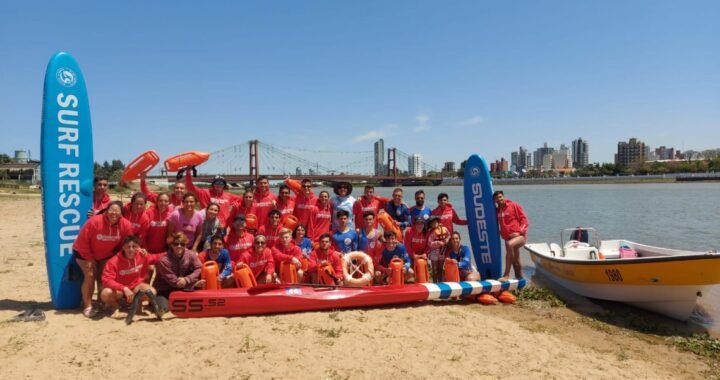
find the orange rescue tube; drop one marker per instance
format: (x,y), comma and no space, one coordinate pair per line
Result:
(244,277)
(451,273)
(421,271)
(186,159)
(487,299)
(388,224)
(290,222)
(326,274)
(288,273)
(251,222)
(396,272)
(294,185)
(210,272)
(507,297)
(140,166)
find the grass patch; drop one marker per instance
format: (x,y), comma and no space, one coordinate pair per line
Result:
(332,333)
(250,345)
(335,316)
(534,293)
(699,344)
(621,355)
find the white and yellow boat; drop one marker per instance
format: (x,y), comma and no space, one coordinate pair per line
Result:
(666,281)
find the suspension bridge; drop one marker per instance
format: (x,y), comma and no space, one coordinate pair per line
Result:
(247,162)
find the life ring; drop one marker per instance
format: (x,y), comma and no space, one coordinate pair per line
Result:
(388,224)
(186,159)
(140,166)
(351,269)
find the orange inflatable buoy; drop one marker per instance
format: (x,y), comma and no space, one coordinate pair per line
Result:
(421,271)
(388,224)
(288,273)
(396,271)
(487,299)
(294,185)
(507,297)
(186,159)
(451,271)
(140,166)
(244,277)
(290,222)
(251,222)
(326,274)
(209,273)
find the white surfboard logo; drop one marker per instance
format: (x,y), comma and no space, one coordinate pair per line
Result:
(66,77)
(474,171)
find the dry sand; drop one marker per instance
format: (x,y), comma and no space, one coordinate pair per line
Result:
(433,340)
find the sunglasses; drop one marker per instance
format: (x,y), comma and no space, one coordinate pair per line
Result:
(177,244)
(308,186)
(259,243)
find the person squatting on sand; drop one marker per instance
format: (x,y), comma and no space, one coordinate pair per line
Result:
(513,229)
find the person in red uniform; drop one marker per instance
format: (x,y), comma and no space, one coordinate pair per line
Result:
(271,229)
(238,240)
(247,206)
(265,200)
(98,240)
(156,240)
(369,202)
(176,196)
(325,254)
(416,239)
(135,213)
(321,217)
(447,213)
(285,203)
(285,251)
(125,273)
(216,194)
(259,260)
(513,229)
(101,198)
(305,199)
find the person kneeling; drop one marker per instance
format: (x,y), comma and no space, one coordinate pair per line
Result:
(123,278)
(393,249)
(461,255)
(322,259)
(177,269)
(221,256)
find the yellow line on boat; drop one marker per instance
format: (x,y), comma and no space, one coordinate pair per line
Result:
(699,270)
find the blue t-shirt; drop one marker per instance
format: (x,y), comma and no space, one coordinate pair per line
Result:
(400,213)
(462,258)
(345,241)
(400,252)
(424,212)
(223,261)
(305,247)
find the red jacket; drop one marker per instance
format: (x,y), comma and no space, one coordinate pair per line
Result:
(281,254)
(303,202)
(100,204)
(512,219)
(98,239)
(236,245)
(448,216)
(362,205)
(286,208)
(156,240)
(263,204)
(332,256)
(239,208)
(320,222)
(140,223)
(272,234)
(259,263)
(152,197)
(120,272)
(415,243)
(224,199)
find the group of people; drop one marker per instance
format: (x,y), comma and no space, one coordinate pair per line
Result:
(120,246)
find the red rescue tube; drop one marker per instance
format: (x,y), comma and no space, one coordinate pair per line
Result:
(288,273)
(421,271)
(396,272)
(388,224)
(244,277)
(451,273)
(186,159)
(210,272)
(140,166)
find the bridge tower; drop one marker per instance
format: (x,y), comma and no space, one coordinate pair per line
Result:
(392,165)
(254,161)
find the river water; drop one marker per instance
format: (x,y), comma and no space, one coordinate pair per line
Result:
(671,215)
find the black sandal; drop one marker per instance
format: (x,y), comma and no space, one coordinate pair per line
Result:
(134,307)
(153,303)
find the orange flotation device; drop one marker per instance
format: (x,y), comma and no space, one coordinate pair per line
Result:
(507,297)
(251,222)
(186,159)
(288,273)
(244,277)
(326,274)
(487,299)
(293,184)
(290,222)
(451,271)
(396,271)
(421,271)
(358,269)
(388,224)
(209,273)
(140,166)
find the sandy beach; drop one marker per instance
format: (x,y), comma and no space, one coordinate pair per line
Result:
(431,340)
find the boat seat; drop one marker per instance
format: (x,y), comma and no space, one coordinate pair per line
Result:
(578,250)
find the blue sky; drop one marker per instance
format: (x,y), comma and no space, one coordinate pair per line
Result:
(444,79)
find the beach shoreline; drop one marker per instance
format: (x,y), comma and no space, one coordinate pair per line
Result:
(426,340)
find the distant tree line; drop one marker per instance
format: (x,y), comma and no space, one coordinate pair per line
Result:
(112,170)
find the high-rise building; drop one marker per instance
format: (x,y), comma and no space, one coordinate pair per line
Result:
(522,159)
(580,155)
(415,165)
(449,166)
(380,169)
(630,152)
(539,157)
(513,161)
(664,153)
